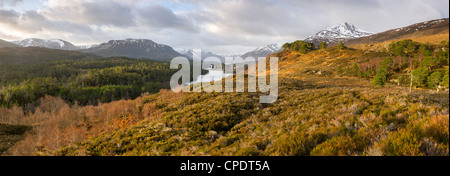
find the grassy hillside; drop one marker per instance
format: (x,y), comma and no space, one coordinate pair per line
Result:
(312,121)
(421,32)
(380,46)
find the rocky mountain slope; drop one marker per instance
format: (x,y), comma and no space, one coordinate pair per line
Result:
(338,33)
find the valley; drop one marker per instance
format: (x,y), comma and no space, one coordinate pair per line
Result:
(337,100)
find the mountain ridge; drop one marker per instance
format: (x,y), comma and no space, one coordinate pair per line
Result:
(427,28)
(46,43)
(134,48)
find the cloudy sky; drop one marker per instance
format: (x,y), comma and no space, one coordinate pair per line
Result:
(220,26)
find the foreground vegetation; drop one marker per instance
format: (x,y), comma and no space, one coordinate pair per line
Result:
(312,120)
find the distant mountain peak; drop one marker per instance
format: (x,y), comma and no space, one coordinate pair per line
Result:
(342,31)
(46,43)
(272,48)
(263,51)
(338,33)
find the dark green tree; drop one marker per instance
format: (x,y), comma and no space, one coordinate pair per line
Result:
(425,50)
(382,73)
(300,46)
(428,62)
(434,80)
(323,45)
(403,48)
(341,46)
(286,46)
(420,76)
(444,82)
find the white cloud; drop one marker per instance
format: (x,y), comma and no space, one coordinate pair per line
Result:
(222,26)
(9,2)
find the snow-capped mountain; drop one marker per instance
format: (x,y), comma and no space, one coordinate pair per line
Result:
(46,43)
(134,48)
(263,51)
(188,53)
(338,33)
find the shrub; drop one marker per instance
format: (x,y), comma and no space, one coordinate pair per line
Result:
(438,129)
(401,143)
(340,71)
(445,79)
(337,146)
(341,46)
(377,82)
(299,144)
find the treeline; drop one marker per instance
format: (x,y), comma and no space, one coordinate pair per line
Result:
(82,81)
(424,64)
(299,46)
(304,47)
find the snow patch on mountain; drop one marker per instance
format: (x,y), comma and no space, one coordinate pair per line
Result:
(263,51)
(342,31)
(46,43)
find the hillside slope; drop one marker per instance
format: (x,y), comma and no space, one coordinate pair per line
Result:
(7,44)
(31,55)
(432,32)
